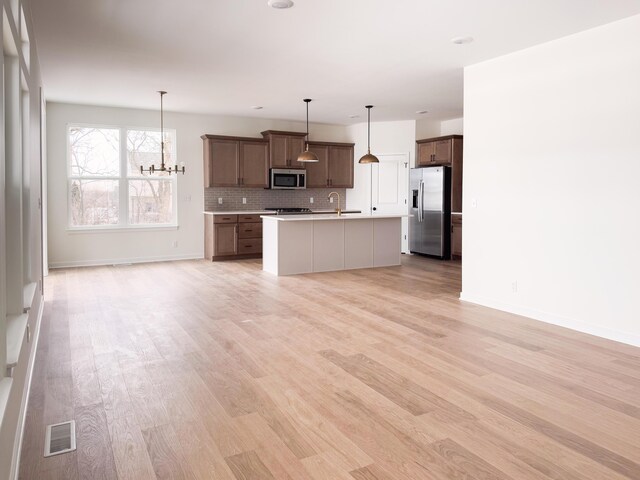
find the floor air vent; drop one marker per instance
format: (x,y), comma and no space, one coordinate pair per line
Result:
(60,438)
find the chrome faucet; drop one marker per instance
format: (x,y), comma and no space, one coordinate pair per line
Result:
(338,210)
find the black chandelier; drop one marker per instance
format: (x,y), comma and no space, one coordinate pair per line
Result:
(163,168)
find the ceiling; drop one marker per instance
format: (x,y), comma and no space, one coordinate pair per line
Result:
(224,56)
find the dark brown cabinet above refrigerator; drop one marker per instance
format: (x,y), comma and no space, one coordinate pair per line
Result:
(446,151)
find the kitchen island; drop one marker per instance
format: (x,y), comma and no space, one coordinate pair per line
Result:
(293,244)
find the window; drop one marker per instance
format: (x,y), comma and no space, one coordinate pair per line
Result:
(106,188)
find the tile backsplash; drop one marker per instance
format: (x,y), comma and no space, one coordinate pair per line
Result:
(259,198)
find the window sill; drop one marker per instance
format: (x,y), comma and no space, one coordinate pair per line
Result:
(16,331)
(120,229)
(5,390)
(29,295)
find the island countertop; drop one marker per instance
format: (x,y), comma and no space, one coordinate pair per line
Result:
(329,216)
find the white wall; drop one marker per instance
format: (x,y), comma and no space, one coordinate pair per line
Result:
(552,158)
(386,138)
(89,248)
(454,126)
(427,128)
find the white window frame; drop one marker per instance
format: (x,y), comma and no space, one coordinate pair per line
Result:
(123,183)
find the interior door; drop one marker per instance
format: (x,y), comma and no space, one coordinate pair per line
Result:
(390,189)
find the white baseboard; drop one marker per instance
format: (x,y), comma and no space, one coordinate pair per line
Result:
(17,445)
(554,319)
(121,261)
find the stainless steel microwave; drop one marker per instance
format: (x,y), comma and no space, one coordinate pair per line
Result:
(287,179)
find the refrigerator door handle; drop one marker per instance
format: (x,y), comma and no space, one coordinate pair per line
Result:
(421,202)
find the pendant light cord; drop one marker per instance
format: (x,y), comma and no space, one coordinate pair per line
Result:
(369,129)
(162,128)
(306,142)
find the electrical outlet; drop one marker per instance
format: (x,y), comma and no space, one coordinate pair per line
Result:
(474,203)
(219,201)
(330,199)
(310,199)
(187,198)
(514,286)
(244,200)
(175,244)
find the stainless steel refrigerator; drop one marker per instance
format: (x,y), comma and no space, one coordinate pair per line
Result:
(430,223)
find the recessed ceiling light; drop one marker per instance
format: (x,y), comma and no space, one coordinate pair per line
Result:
(354,116)
(280,3)
(462,40)
(256,107)
(422,112)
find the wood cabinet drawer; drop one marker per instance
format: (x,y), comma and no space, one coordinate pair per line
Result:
(225,219)
(249,245)
(456,219)
(250,230)
(249,218)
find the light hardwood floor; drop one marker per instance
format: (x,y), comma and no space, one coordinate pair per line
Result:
(201,370)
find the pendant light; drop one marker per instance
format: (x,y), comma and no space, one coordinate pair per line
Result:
(307,156)
(369,158)
(162,168)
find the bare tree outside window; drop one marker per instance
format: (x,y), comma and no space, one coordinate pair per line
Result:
(150,198)
(94,171)
(101,173)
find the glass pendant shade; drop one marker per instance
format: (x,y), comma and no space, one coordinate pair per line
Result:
(369,157)
(307,156)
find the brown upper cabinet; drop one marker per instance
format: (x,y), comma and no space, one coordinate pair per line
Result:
(438,151)
(334,168)
(444,151)
(235,161)
(284,148)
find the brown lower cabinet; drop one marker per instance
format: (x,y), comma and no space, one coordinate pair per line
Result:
(456,236)
(232,236)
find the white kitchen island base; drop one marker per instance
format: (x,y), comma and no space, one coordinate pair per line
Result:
(323,243)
